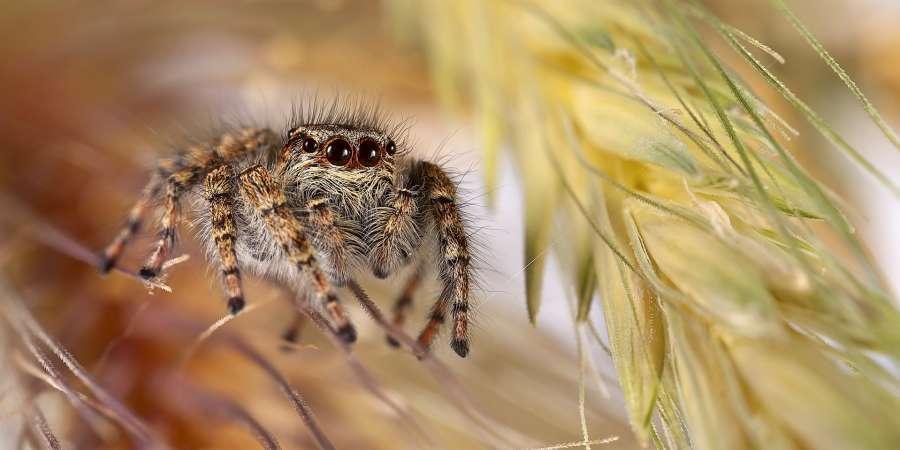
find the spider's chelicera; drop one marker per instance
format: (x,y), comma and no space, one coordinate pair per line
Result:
(340,196)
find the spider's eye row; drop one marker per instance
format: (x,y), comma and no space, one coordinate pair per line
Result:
(338,152)
(369,152)
(309,145)
(390,148)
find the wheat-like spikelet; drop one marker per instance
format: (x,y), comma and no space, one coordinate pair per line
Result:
(741,309)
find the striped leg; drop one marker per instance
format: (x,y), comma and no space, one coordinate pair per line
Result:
(404,303)
(176,184)
(113,251)
(219,186)
(261,193)
(455,269)
(436,318)
(193,167)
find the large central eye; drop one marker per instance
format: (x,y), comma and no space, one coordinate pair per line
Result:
(369,152)
(338,152)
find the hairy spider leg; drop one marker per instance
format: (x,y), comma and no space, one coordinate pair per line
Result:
(174,177)
(220,189)
(200,160)
(110,255)
(454,260)
(269,201)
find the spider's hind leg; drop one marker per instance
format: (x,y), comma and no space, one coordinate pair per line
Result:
(176,184)
(111,253)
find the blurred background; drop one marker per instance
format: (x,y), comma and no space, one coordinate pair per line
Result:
(93,93)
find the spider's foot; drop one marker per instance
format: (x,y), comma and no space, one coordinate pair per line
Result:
(289,339)
(235,305)
(148,273)
(393,342)
(291,335)
(460,346)
(106,264)
(423,348)
(347,333)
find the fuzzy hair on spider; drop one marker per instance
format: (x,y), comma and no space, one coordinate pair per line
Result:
(309,209)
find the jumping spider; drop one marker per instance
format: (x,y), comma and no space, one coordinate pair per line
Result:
(336,194)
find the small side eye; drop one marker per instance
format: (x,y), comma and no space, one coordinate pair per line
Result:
(309,145)
(338,152)
(369,152)
(390,148)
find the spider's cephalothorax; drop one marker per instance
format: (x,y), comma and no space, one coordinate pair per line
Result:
(336,198)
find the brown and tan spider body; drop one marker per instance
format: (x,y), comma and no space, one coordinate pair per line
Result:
(310,210)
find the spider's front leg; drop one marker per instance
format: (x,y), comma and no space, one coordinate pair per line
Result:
(219,186)
(269,201)
(454,259)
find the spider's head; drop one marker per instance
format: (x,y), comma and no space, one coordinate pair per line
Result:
(340,146)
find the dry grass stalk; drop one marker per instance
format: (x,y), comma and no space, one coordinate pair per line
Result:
(731,322)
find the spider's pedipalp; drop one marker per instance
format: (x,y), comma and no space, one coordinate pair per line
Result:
(219,186)
(269,201)
(396,231)
(340,242)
